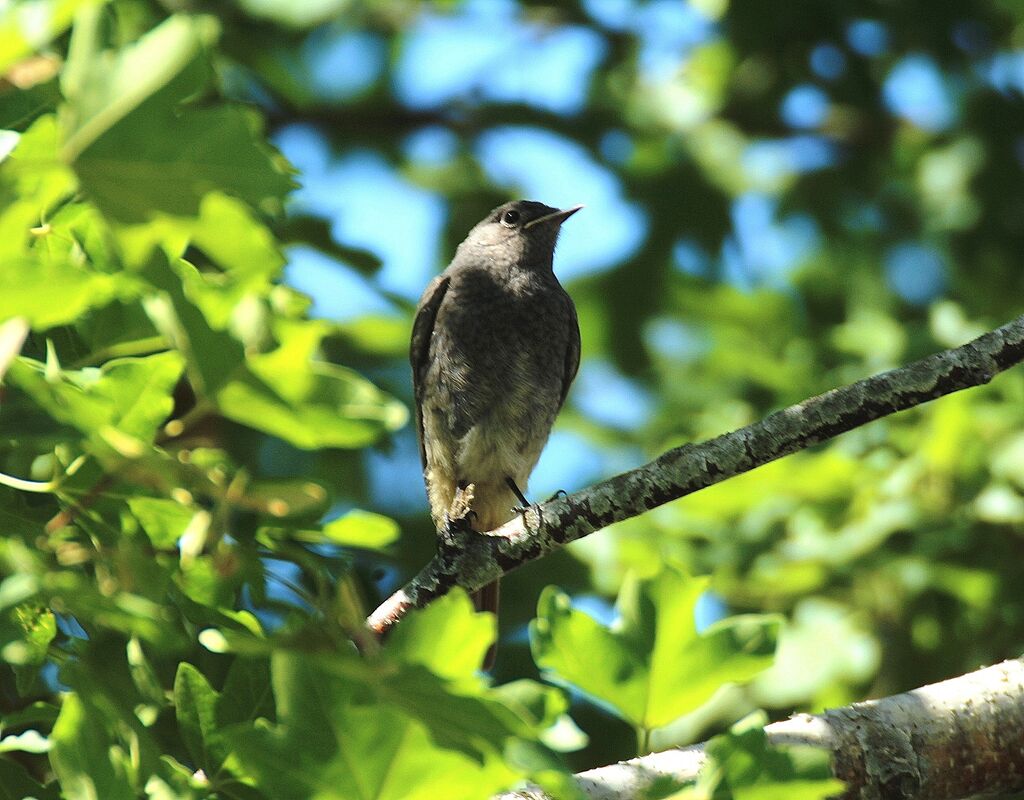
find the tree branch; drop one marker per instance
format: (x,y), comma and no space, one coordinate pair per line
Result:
(472,560)
(950,740)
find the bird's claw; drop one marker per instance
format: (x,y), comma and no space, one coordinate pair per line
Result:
(557,495)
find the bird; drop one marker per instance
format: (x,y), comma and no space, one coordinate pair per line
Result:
(495,347)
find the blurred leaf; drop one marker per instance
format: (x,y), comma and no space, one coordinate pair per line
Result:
(547,708)
(37,627)
(12,337)
(362,529)
(136,150)
(74,291)
(28,25)
(309,403)
(27,742)
(132,395)
(229,233)
(164,521)
(195,706)
(652,666)
(316,232)
(19,108)
(81,755)
(742,766)
(301,15)
(16,784)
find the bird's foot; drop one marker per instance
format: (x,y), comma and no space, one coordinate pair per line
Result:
(524,504)
(456,529)
(459,518)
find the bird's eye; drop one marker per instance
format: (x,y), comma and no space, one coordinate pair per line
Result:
(510,218)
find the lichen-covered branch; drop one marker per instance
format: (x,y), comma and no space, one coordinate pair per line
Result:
(956,739)
(472,560)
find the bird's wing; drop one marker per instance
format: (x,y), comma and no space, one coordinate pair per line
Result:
(419,349)
(572,351)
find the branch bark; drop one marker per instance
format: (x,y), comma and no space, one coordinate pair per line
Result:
(472,560)
(950,740)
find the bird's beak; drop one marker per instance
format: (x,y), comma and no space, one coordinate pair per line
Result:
(556,216)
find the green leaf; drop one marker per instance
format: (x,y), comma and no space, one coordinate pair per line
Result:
(447,637)
(652,667)
(332,742)
(16,784)
(226,230)
(195,705)
(362,529)
(81,755)
(130,395)
(743,766)
(19,109)
(229,233)
(71,291)
(309,403)
(213,355)
(137,150)
(295,15)
(38,627)
(164,521)
(546,708)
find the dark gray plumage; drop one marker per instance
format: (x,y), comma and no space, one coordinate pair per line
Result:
(495,346)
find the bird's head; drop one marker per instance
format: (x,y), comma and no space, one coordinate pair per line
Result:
(521,232)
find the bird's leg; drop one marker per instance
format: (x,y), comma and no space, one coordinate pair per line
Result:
(524,504)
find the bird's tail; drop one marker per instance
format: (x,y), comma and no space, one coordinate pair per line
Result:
(486,599)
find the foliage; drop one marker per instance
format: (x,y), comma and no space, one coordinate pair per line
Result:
(202,478)
(651,666)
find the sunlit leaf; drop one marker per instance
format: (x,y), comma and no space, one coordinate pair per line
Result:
(362,529)
(131,395)
(330,742)
(28,25)
(652,666)
(164,521)
(137,151)
(448,637)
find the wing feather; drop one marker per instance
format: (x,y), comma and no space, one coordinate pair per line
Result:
(419,349)
(572,352)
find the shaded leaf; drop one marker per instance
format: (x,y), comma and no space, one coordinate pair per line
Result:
(81,755)
(743,766)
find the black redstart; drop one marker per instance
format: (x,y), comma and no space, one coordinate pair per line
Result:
(495,346)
